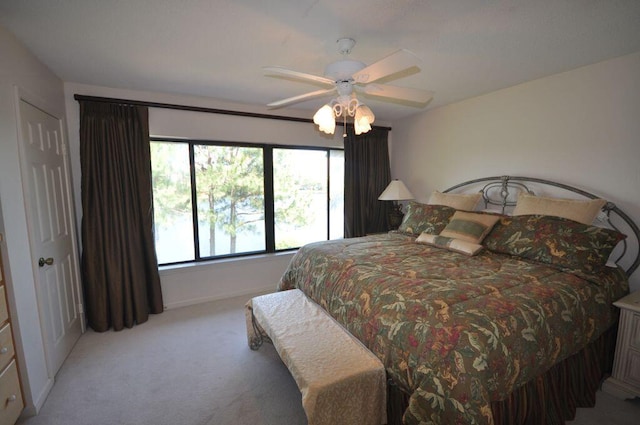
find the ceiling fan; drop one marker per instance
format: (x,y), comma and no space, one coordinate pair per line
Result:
(346,77)
(345,74)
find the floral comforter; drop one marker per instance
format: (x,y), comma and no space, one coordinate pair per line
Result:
(455,332)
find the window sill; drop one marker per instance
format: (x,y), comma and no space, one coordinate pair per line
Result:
(178,268)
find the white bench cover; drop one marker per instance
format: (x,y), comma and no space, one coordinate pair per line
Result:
(341,381)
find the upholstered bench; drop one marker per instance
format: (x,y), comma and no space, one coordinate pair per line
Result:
(341,381)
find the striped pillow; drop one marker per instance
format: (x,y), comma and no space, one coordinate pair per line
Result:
(456,245)
(470,227)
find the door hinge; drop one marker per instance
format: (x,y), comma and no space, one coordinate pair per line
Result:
(80,309)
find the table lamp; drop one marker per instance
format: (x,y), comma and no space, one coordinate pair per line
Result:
(395,191)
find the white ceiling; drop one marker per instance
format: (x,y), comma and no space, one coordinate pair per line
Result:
(217,48)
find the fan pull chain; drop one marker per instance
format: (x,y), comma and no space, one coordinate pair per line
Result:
(344,127)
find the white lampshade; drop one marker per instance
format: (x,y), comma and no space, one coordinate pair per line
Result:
(364,112)
(325,119)
(396,191)
(361,126)
(363,119)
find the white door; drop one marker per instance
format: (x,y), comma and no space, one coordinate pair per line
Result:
(50,216)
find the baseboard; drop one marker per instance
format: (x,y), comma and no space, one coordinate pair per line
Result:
(32,409)
(225,296)
(619,389)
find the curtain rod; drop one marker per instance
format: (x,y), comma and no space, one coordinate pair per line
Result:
(80,97)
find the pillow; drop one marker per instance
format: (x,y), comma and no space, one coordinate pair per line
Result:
(470,227)
(582,211)
(554,240)
(451,244)
(425,218)
(458,201)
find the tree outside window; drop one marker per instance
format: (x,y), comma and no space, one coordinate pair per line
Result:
(228,190)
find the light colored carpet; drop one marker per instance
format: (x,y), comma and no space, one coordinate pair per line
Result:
(192,366)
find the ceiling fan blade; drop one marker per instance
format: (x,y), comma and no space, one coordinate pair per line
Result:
(297,74)
(300,98)
(395,62)
(401,93)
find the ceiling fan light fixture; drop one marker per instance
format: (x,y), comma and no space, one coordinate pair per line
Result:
(361,127)
(363,119)
(325,119)
(364,112)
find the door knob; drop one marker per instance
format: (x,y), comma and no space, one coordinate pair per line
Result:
(42,261)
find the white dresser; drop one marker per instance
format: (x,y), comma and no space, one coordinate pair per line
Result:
(625,380)
(11,401)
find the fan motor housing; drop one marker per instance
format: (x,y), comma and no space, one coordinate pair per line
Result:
(343,70)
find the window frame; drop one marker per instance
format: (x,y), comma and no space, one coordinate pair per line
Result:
(269,195)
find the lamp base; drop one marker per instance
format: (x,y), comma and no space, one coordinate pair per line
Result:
(395,217)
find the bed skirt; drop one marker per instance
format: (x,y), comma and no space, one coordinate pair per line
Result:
(551,398)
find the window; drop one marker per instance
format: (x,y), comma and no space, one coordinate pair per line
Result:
(229,188)
(172,202)
(215,200)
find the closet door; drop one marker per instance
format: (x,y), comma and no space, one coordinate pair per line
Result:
(50,214)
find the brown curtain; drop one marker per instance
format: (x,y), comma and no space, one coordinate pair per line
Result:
(367,174)
(119,264)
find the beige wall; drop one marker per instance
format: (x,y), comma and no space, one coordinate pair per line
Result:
(580,127)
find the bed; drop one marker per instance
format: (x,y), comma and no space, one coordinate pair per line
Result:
(479,315)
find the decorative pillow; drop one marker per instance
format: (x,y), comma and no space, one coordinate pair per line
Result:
(554,240)
(456,245)
(425,218)
(458,201)
(470,227)
(582,211)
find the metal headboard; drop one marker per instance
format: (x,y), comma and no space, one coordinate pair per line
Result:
(502,191)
